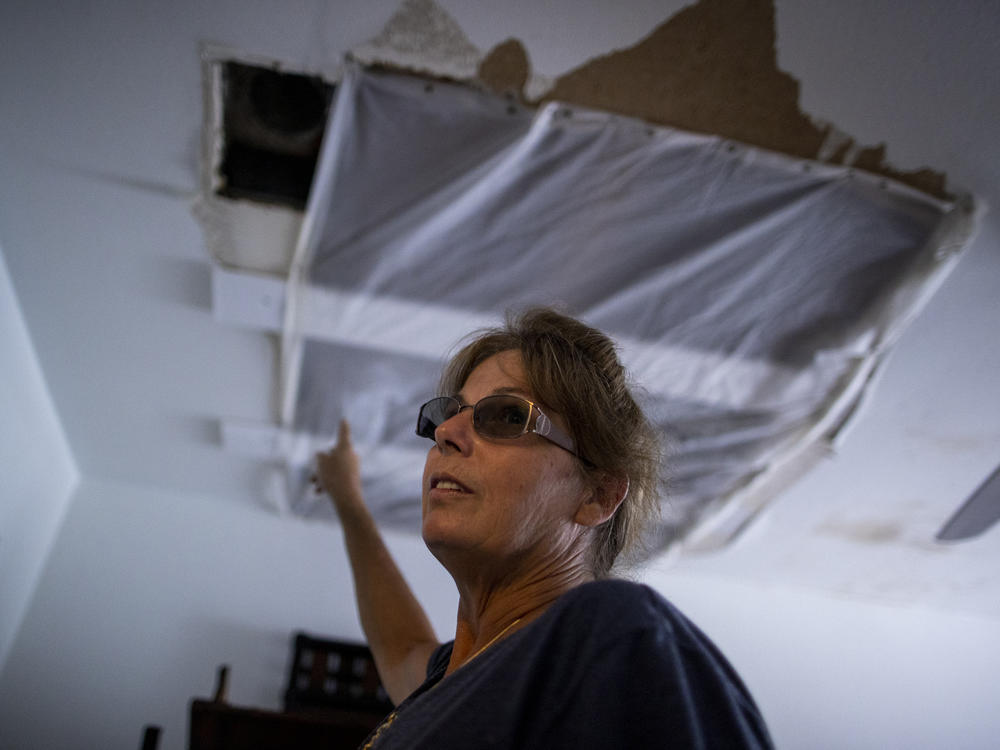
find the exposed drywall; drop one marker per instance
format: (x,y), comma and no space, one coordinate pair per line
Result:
(710,68)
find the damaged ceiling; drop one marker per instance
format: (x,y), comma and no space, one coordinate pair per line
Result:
(710,68)
(409,150)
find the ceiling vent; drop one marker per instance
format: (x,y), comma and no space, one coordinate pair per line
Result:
(272,130)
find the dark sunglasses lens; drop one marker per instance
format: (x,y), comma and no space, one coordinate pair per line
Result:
(502,416)
(433,413)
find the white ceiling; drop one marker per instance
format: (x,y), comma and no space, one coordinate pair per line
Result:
(100,136)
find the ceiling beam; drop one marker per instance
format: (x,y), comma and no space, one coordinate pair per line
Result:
(419,329)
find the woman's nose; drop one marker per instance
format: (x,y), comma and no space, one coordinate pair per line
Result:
(456,430)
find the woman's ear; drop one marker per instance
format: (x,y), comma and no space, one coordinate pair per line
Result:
(603,501)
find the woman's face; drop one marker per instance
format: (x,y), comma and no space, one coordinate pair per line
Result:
(502,502)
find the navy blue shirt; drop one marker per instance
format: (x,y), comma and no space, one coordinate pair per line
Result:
(611,664)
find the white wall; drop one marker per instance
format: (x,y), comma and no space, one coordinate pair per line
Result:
(38,471)
(147,592)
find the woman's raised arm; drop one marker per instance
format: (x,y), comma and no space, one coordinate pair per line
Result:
(399,634)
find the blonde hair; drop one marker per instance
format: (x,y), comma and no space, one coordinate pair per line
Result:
(575,370)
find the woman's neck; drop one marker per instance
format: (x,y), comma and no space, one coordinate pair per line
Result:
(490,610)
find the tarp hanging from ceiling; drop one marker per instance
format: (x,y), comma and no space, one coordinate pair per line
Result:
(753,294)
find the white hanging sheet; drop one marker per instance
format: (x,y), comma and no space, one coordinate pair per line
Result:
(752,293)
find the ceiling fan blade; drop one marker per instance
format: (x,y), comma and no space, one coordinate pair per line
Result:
(977,514)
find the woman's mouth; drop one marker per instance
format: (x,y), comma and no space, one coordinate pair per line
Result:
(447,484)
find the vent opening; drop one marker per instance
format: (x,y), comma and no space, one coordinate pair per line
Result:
(272,124)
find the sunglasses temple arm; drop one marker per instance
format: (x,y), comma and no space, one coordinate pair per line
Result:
(545,427)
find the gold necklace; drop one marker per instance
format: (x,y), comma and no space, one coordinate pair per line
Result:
(392,716)
(493,640)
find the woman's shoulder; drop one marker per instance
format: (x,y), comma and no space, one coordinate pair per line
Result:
(619,604)
(614,615)
(616,589)
(636,639)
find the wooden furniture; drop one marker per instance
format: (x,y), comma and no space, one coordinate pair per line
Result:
(328,674)
(333,700)
(218,726)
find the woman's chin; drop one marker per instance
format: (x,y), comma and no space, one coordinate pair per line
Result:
(445,531)
(438,531)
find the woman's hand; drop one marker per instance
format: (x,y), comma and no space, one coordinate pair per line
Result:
(338,472)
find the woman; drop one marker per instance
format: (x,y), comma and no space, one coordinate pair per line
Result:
(542,472)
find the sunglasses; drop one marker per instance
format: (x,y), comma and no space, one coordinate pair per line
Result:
(501,417)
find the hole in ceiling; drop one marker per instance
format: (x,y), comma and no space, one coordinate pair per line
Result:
(272,125)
